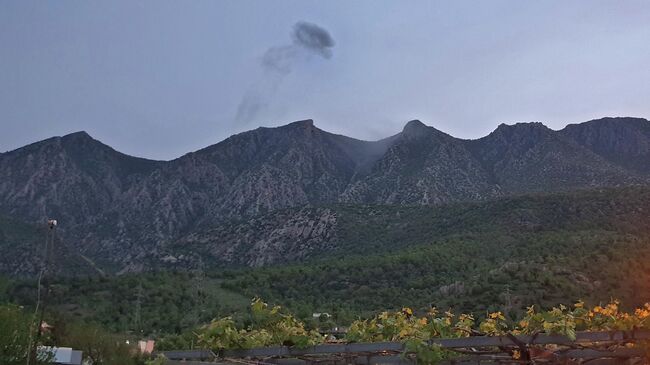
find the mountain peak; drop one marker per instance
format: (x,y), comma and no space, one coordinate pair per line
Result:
(620,119)
(415,128)
(81,140)
(78,136)
(522,125)
(529,129)
(612,122)
(415,123)
(302,123)
(78,133)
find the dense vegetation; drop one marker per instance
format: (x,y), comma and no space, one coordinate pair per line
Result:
(500,255)
(144,304)
(19,340)
(16,329)
(470,274)
(476,258)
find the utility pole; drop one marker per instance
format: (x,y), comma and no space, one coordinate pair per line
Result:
(49,251)
(199,293)
(138,309)
(508,299)
(43,282)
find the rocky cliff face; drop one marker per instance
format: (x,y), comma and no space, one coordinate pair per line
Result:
(622,141)
(279,237)
(529,157)
(423,166)
(73,177)
(122,212)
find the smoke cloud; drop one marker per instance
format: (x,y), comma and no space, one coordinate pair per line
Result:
(313,37)
(308,40)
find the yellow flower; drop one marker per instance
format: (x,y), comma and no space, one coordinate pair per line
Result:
(530,310)
(408,311)
(613,306)
(496,315)
(642,313)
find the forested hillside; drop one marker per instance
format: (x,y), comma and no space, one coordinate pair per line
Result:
(476,257)
(504,254)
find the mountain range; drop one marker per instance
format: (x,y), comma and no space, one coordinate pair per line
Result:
(120,213)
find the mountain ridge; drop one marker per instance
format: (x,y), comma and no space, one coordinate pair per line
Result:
(644,123)
(121,211)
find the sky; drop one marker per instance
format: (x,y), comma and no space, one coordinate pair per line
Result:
(158,79)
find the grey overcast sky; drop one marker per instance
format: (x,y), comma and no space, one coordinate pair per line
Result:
(158,79)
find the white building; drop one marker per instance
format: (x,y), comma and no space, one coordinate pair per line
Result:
(63,355)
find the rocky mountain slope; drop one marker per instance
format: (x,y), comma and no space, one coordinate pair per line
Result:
(423,166)
(529,157)
(622,141)
(74,178)
(296,234)
(124,213)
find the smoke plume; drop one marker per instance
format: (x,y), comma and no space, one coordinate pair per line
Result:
(308,40)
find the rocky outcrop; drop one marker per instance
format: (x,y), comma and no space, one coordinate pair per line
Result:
(423,166)
(622,141)
(282,237)
(529,157)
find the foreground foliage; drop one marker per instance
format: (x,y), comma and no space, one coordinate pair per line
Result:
(416,331)
(99,346)
(270,326)
(273,327)
(18,340)
(17,337)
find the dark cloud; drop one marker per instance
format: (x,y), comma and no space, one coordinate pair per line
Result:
(314,38)
(278,61)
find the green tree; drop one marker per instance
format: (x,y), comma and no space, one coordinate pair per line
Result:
(16,333)
(100,347)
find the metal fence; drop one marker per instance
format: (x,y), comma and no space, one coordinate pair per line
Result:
(605,347)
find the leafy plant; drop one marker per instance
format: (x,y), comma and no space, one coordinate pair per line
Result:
(416,332)
(270,326)
(17,331)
